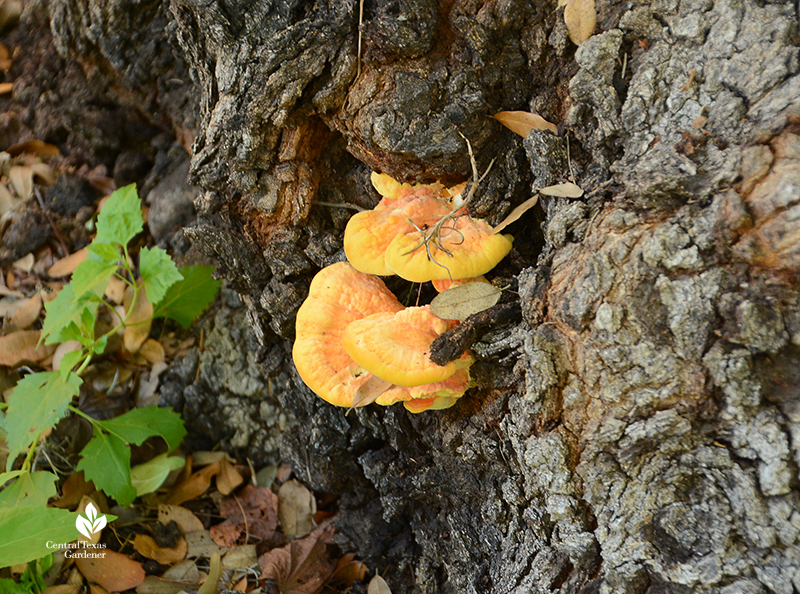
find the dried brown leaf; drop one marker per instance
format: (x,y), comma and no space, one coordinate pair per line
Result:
(156,585)
(260,508)
(522,122)
(581,19)
(21,346)
(66,266)
(458,303)
(147,547)
(240,557)
(185,519)
(193,486)
(114,571)
(204,458)
(25,263)
(302,566)
(200,544)
(115,291)
(369,391)
(140,318)
(377,585)
(28,313)
(565,190)
(152,351)
(228,478)
(6,88)
(297,509)
(516,213)
(34,147)
(21,177)
(348,571)
(211,585)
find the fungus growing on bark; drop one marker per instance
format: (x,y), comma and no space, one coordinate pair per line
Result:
(394,238)
(395,346)
(339,297)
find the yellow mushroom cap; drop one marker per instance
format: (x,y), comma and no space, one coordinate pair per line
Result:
(338,295)
(433,396)
(395,346)
(390,188)
(475,251)
(369,233)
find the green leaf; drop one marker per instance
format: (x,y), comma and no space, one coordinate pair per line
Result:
(27,530)
(8,586)
(158,273)
(187,299)
(63,311)
(107,252)
(70,360)
(7,476)
(92,275)
(138,424)
(38,401)
(121,217)
(30,489)
(149,476)
(106,460)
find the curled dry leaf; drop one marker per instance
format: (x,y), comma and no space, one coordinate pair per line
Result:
(7,200)
(565,190)
(461,302)
(193,486)
(185,519)
(66,266)
(28,313)
(228,478)
(21,346)
(297,509)
(369,391)
(152,351)
(581,19)
(6,88)
(140,318)
(38,148)
(147,547)
(25,263)
(114,571)
(522,122)
(516,213)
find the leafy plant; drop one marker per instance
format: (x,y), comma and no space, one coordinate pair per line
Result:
(40,400)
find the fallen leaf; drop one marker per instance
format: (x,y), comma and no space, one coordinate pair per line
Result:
(21,177)
(7,200)
(296,510)
(377,585)
(21,346)
(581,18)
(61,589)
(73,490)
(9,306)
(369,391)
(185,519)
(565,190)
(28,313)
(458,303)
(140,318)
(66,266)
(33,147)
(147,547)
(193,486)
(211,585)
(240,557)
(228,478)
(6,88)
(156,585)
(302,566)
(226,534)
(25,263)
(522,122)
(115,291)
(516,213)
(10,11)
(200,544)
(62,349)
(203,458)
(348,571)
(114,571)
(96,531)
(185,571)
(254,511)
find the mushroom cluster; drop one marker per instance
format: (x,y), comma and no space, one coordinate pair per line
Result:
(351,330)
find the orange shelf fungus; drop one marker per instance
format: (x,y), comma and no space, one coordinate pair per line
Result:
(348,306)
(394,238)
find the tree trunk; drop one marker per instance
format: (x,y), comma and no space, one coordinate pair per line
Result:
(637,428)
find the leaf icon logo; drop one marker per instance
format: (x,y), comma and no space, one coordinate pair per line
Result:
(91,524)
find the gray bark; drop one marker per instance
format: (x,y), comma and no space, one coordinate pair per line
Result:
(638,429)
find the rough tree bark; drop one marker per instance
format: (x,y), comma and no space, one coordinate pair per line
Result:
(637,429)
